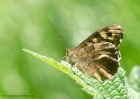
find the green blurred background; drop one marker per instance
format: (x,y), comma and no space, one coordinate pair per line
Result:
(48,27)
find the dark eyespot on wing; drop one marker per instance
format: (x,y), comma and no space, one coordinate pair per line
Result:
(109,34)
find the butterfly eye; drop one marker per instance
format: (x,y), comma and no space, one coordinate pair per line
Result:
(109,34)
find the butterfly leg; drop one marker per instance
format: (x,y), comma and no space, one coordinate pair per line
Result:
(88,70)
(105,73)
(97,76)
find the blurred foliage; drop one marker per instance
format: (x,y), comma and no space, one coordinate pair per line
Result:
(115,88)
(134,78)
(51,26)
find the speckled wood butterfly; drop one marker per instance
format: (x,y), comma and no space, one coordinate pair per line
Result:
(98,56)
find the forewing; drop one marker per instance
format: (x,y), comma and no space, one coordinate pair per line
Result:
(112,34)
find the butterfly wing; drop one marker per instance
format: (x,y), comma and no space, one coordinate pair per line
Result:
(100,58)
(98,55)
(112,34)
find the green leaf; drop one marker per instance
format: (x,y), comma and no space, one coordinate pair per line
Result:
(116,88)
(134,78)
(134,83)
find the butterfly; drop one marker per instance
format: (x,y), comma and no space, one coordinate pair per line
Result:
(98,56)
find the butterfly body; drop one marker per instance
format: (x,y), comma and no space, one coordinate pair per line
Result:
(98,56)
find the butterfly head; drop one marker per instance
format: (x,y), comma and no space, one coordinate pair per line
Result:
(112,34)
(71,56)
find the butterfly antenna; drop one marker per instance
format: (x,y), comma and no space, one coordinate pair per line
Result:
(63,40)
(73,39)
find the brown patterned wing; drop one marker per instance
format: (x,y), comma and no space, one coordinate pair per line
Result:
(99,60)
(107,59)
(98,55)
(112,33)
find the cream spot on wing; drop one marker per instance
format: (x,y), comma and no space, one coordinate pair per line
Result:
(89,44)
(95,40)
(103,55)
(103,34)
